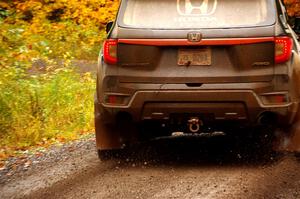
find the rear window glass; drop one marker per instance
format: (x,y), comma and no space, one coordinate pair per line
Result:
(186,14)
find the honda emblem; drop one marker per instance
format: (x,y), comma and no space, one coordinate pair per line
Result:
(194,37)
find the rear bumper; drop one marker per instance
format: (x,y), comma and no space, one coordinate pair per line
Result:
(241,105)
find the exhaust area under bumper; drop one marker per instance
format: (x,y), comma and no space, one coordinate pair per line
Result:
(241,105)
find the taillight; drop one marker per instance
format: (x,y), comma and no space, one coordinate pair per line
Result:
(283,49)
(110,51)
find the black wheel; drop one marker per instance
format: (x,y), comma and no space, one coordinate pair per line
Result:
(109,154)
(266,137)
(297,155)
(255,142)
(262,139)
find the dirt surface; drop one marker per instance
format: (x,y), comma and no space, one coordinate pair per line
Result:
(178,168)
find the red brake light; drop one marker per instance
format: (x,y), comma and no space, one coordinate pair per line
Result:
(283,49)
(110,51)
(112,99)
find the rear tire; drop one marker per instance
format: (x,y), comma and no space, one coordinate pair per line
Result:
(261,142)
(109,154)
(265,138)
(255,143)
(110,134)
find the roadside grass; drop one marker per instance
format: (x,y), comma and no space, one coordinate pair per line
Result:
(41,109)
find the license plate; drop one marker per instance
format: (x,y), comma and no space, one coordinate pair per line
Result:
(194,57)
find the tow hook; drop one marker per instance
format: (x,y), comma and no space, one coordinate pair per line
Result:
(194,124)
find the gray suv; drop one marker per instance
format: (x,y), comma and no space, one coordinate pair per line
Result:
(188,67)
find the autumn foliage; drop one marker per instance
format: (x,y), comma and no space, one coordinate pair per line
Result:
(54,26)
(293,7)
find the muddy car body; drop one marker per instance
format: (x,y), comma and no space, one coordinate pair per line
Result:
(193,67)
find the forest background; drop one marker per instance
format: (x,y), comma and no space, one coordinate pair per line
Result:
(43,97)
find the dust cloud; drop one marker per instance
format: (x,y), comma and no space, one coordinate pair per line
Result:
(289,139)
(292,140)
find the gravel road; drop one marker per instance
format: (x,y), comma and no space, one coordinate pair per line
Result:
(179,168)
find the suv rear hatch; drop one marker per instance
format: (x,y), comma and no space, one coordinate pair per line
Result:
(196,41)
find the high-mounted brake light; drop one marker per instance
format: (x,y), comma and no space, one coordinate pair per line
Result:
(110,51)
(283,49)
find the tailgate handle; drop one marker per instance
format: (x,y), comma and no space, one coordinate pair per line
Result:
(194,84)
